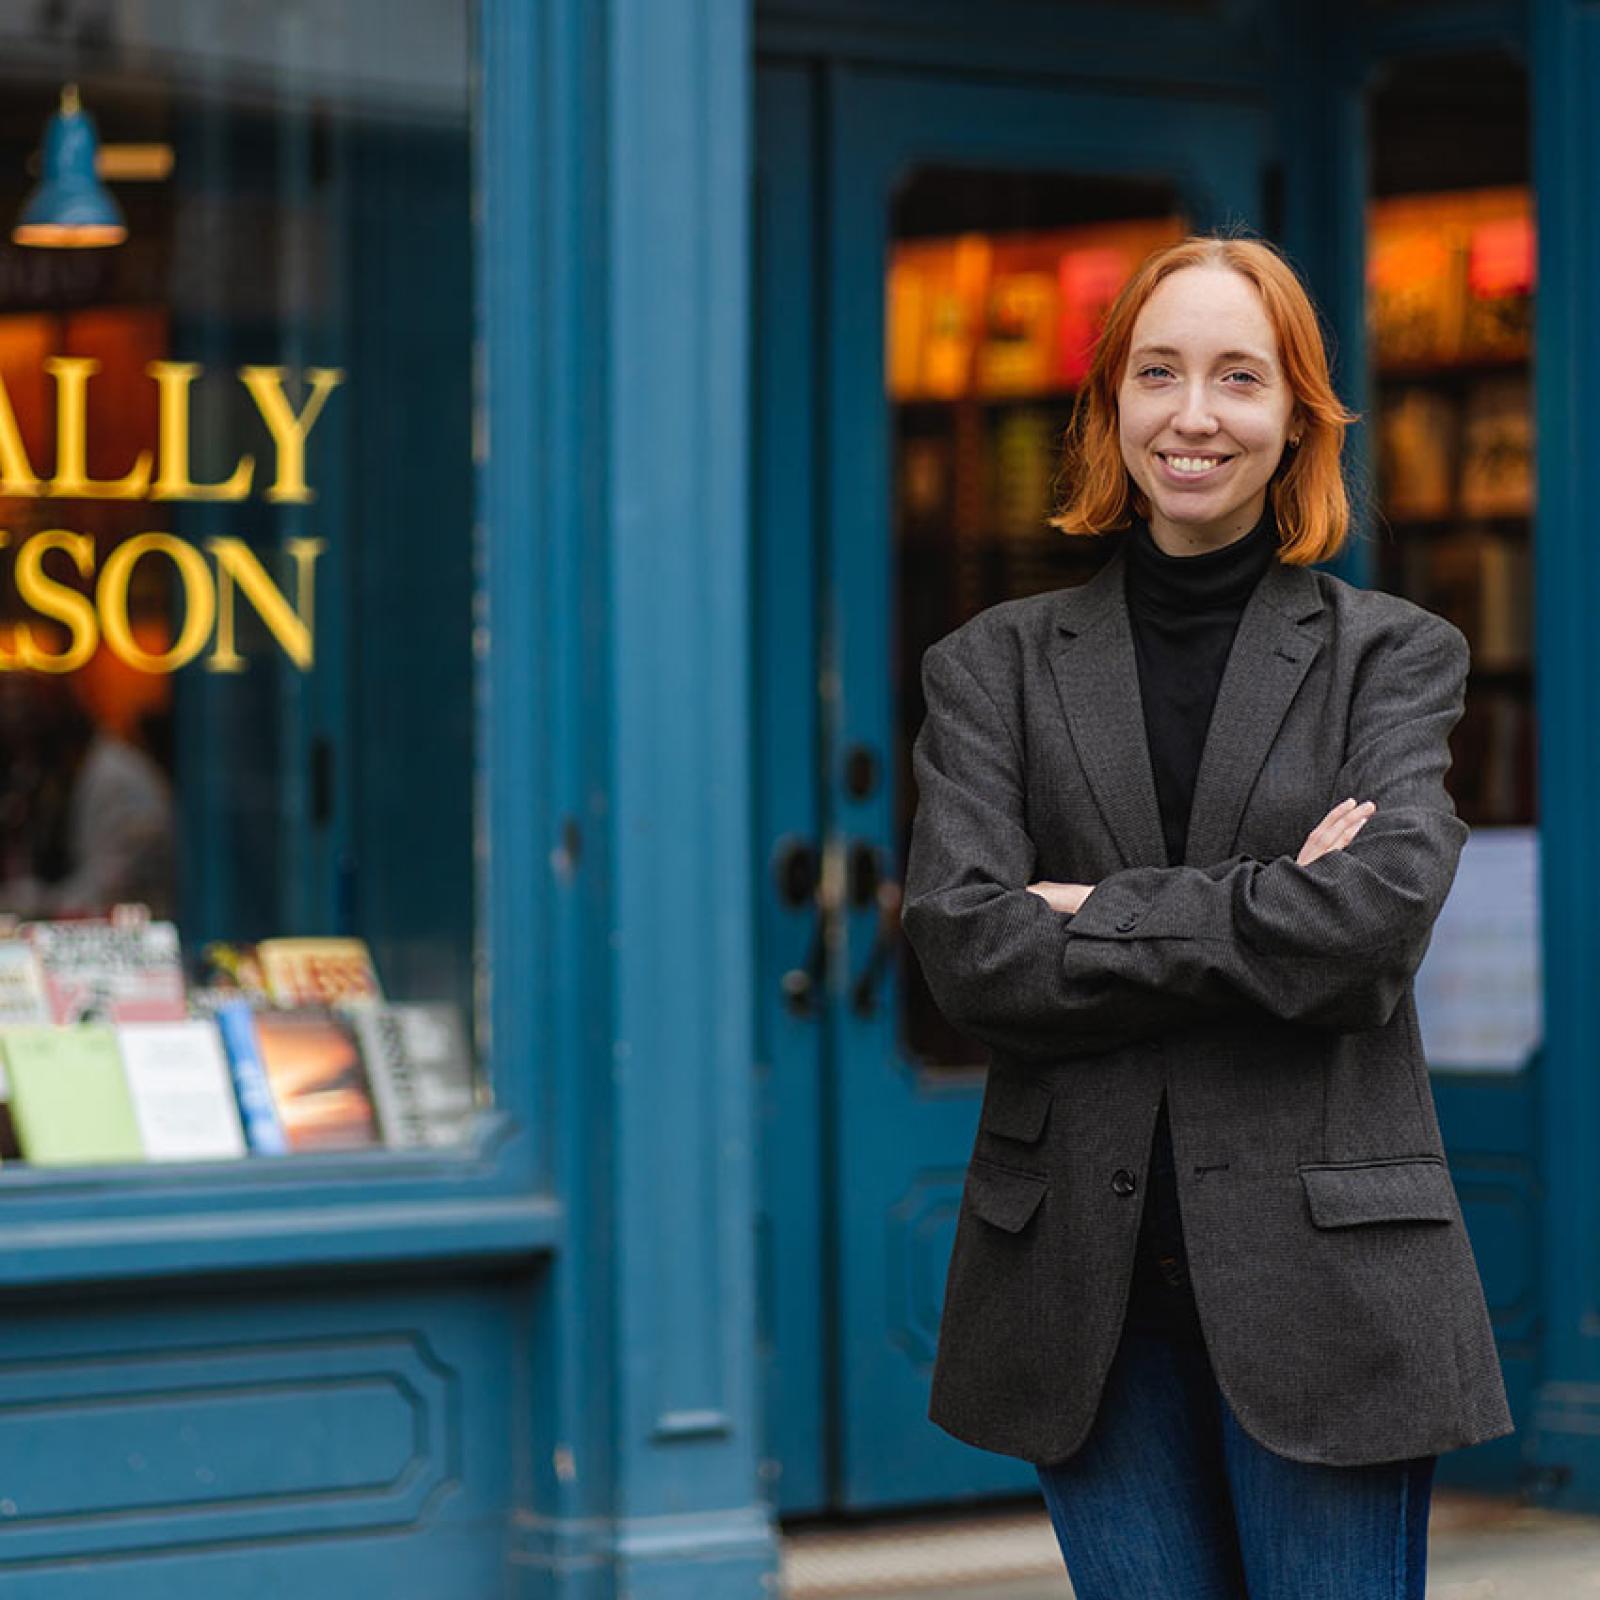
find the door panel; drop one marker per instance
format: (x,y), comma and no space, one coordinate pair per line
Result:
(947,203)
(933,257)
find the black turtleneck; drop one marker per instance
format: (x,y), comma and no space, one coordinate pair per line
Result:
(1184,611)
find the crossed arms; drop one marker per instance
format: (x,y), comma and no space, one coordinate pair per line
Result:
(1333,944)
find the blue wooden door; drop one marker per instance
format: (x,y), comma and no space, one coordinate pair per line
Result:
(931,255)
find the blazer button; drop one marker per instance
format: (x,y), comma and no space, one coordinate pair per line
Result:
(1128,921)
(1123,1181)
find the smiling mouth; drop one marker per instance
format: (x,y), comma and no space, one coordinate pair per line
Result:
(1190,466)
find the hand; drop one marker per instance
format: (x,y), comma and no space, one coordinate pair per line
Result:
(1067,897)
(1336,830)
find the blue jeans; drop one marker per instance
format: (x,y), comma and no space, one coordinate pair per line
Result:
(1170,1499)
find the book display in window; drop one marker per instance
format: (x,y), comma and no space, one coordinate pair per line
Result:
(290,1046)
(1451,280)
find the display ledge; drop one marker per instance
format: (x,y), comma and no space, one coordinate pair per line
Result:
(189,1244)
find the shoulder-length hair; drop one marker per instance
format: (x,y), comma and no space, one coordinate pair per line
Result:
(1308,492)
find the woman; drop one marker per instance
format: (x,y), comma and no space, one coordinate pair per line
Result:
(1181,837)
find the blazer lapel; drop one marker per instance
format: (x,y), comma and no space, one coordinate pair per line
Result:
(1097,679)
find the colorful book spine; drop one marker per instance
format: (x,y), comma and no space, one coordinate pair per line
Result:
(263,1128)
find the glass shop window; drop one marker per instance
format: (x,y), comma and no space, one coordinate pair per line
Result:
(1451,287)
(239,867)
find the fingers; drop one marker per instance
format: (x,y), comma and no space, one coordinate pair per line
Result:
(1336,830)
(1058,896)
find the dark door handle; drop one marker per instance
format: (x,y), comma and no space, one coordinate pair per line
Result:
(798,868)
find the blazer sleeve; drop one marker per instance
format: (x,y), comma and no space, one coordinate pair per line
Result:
(1338,941)
(1002,965)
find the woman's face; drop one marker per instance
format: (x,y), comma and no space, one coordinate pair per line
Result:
(1204,410)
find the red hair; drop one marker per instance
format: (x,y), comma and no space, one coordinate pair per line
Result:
(1308,492)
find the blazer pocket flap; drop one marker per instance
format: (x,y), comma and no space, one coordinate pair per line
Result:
(1003,1196)
(1379,1191)
(1014,1107)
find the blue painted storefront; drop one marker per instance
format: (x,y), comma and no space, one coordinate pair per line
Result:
(686,1283)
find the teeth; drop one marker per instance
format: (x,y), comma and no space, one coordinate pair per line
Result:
(1196,464)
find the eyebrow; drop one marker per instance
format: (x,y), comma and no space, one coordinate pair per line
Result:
(1226,355)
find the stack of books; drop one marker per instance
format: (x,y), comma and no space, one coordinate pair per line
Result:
(107,1055)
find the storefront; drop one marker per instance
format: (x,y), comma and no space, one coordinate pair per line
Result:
(943,213)
(479,493)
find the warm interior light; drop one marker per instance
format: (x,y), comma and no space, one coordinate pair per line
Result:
(134,163)
(69,236)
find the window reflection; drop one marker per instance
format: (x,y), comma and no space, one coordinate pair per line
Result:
(238,692)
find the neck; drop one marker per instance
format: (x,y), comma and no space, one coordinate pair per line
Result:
(1180,539)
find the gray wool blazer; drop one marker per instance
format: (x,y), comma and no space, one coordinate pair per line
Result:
(1337,1288)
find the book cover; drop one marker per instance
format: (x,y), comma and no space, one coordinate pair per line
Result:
(207,999)
(319,1083)
(1497,449)
(1018,349)
(103,970)
(22,990)
(317,972)
(1418,437)
(69,1095)
(1090,275)
(421,1071)
(1502,268)
(229,964)
(258,1111)
(182,1092)
(1414,290)
(22,1002)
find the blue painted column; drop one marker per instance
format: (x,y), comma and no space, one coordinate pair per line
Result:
(1565,1442)
(622,406)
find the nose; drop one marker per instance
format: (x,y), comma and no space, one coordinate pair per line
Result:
(1193,414)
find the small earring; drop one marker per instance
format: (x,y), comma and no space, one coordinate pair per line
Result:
(1295,441)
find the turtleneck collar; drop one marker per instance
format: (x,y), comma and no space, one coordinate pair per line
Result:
(1216,580)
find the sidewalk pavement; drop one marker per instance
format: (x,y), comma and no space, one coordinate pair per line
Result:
(1479,1548)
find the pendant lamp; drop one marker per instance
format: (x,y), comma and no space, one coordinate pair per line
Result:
(71,209)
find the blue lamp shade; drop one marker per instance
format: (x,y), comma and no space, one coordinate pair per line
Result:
(71,209)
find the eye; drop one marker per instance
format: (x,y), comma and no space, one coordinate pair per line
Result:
(1249,377)
(1145,372)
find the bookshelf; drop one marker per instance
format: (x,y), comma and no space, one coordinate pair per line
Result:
(1450,280)
(989,334)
